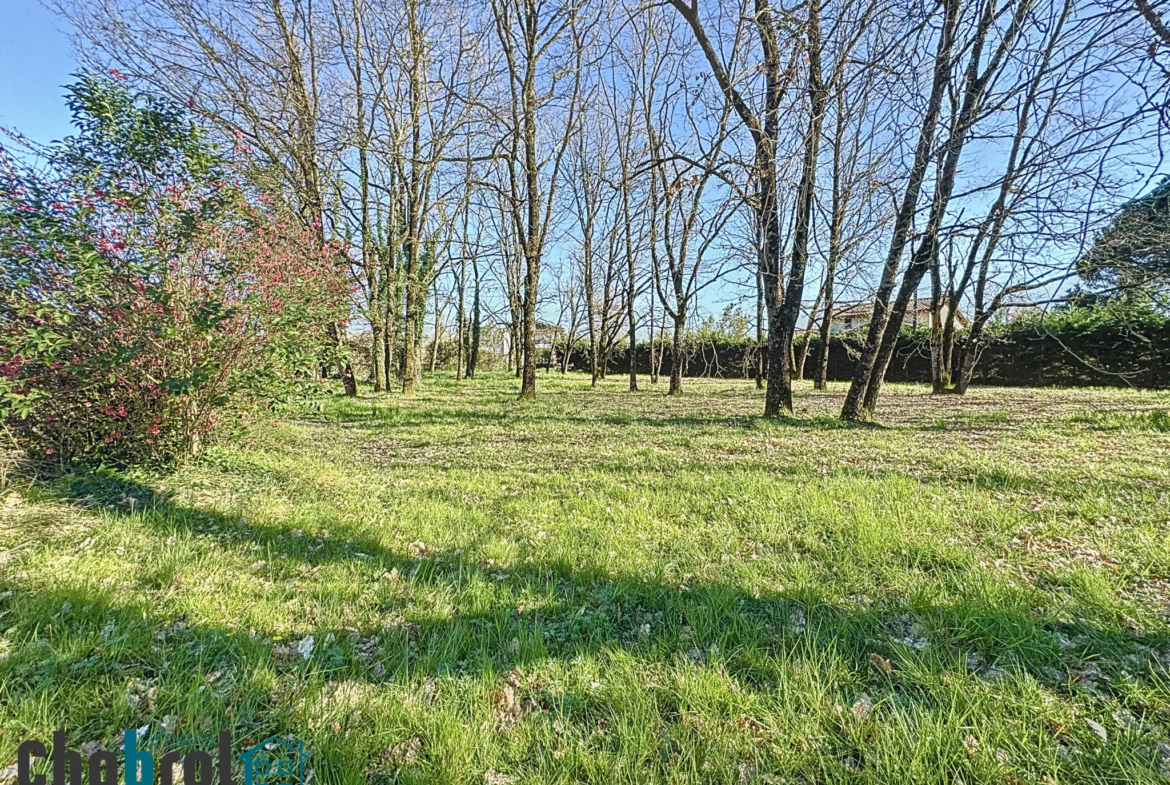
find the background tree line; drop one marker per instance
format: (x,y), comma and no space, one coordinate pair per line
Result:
(617,167)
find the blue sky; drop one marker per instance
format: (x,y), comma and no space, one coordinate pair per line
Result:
(36,59)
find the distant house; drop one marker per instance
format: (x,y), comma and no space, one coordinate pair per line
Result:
(275,761)
(848,318)
(547,335)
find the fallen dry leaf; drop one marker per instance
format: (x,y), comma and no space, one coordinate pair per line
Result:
(882,664)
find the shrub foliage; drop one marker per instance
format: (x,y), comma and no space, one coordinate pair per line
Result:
(147,302)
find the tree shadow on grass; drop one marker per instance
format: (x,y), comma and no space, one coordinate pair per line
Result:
(920,659)
(926,412)
(456,455)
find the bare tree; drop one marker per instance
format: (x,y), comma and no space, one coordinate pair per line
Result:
(764,125)
(858,153)
(543,45)
(854,399)
(592,201)
(1063,138)
(685,222)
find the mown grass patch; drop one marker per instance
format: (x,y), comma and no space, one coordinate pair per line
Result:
(614,587)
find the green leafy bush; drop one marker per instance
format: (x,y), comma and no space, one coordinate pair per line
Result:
(147,304)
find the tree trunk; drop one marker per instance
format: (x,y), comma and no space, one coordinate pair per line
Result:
(821,381)
(676,359)
(970,354)
(461,324)
(653,352)
(973,84)
(780,402)
(778,398)
(410,337)
(531,284)
(473,348)
(939,366)
(516,355)
(633,327)
(438,329)
(889,343)
(346,369)
(591,316)
(778,393)
(388,297)
(661,346)
(415,303)
(377,355)
(950,328)
(759,328)
(967,360)
(387,362)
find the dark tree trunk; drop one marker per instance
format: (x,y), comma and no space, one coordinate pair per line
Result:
(889,342)
(528,379)
(377,355)
(821,381)
(841,194)
(779,402)
(661,348)
(967,358)
(939,367)
(411,362)
(476,324)
(438,334)
(783,307)
(677,361)
(927,252)
(461,322)
(971,349)
(345,368)
(778,393)
(759,328)
(821,377)
(633,339)
(388,345)
(973,85)
(653,352)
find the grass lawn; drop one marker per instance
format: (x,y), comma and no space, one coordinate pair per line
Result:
(611,587)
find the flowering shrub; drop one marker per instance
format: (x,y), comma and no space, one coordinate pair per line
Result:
(145,302)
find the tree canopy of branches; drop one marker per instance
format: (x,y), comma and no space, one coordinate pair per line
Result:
(622,168)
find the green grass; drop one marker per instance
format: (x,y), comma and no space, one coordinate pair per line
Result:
(621,588)
(1152,420)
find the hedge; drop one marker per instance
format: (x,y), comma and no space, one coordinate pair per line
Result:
(1075,347)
